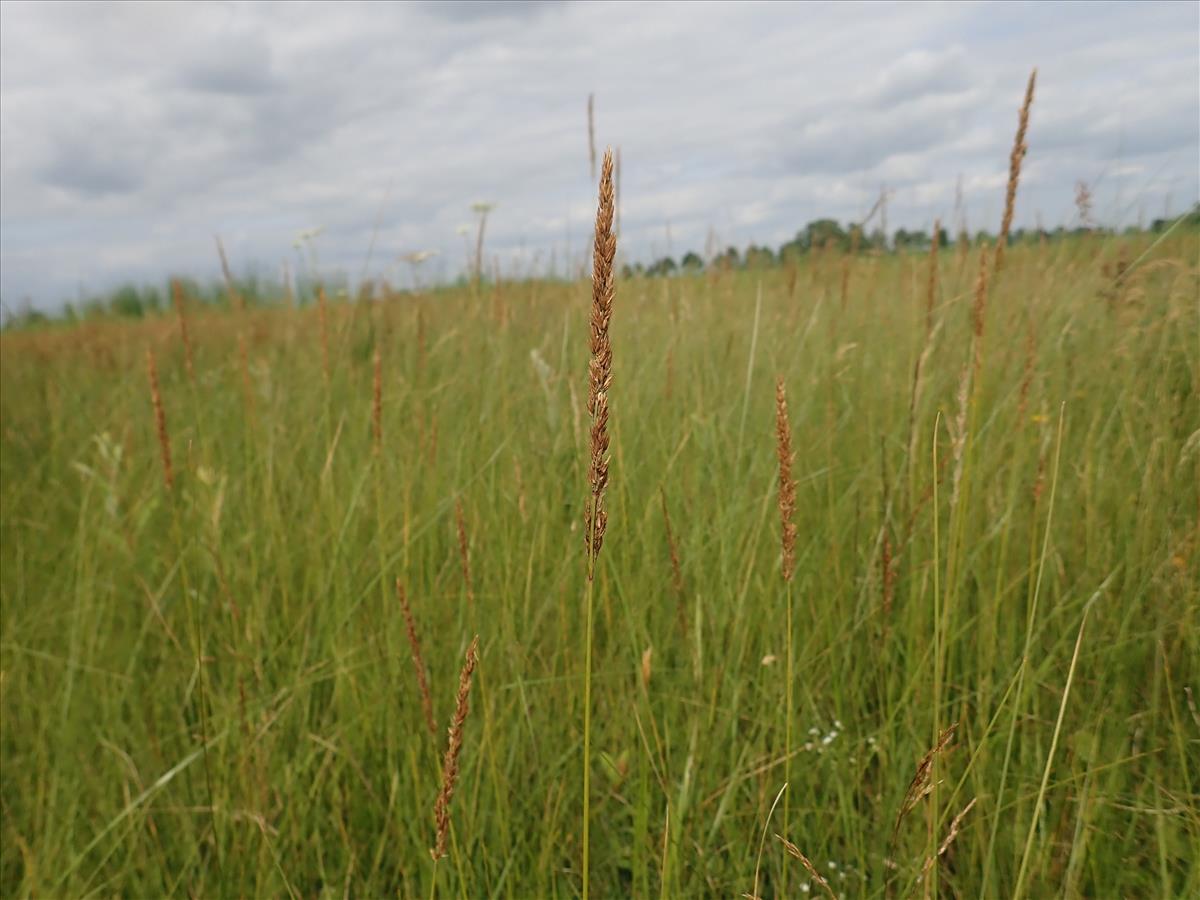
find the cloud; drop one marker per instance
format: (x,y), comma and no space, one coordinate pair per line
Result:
(130,133)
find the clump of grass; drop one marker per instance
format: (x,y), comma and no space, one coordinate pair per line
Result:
(454,743)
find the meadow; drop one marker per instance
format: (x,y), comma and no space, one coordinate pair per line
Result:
(207,678)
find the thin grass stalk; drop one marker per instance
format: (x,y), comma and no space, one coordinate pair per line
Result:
(596,518)
(787,536)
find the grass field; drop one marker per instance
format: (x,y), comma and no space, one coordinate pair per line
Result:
(208,689)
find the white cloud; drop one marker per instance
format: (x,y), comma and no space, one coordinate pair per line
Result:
(130,133)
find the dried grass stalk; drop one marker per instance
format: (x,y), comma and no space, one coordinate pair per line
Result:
(794,851)
(787,487)
(920,785)
(160,420)
(450,769)
(676,569)
(418,659)
(1020,148)
(950,836)
(600,365)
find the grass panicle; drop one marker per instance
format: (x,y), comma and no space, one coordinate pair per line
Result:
(454,744)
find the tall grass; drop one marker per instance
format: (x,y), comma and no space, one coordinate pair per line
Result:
(1077,752)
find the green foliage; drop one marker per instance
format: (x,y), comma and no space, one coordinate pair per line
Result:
(209,692)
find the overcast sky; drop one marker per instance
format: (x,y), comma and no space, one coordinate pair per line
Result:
(130,134)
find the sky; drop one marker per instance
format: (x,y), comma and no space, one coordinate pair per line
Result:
(131,134)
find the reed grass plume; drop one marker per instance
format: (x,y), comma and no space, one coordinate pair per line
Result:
(787,486)
(417,658)
(184,337)
(600,364)
(450,763)
(1019,149)
(160,420)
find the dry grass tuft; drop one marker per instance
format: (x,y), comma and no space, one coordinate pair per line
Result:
(417,658)
(600,365)
(160,420)
(787,486)
(450,770)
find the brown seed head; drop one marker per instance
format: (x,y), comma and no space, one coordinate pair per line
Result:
(600,364)
(160,420)
(177,295)
(450,770)
(787,487)
(1020,148)
(417,658)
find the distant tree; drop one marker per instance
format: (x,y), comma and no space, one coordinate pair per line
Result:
(126,302)
(759,257)
(820,232)
(691,262)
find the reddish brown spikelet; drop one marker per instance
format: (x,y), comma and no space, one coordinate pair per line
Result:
(1020,148)
(377,404)
(450,769)
(600,365)
(888,574)
(464,551)
(417,658)
(787,487)
(932,288)
(177,294)
(160,420)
